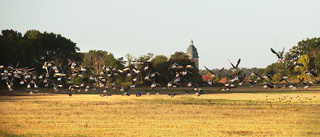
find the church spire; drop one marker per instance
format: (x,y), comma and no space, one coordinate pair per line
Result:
(193,53)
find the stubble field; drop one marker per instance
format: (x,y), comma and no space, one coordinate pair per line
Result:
(218,114)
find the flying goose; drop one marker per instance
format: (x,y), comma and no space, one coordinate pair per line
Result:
(235,67)
(280,56)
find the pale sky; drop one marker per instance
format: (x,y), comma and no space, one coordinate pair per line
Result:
(221,30)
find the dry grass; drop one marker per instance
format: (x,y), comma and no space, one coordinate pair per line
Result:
(234,114)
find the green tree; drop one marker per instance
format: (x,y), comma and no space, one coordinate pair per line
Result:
(271,69)
(96,59)
(182,59)
(129,58)
(302,69)
(160,64)
(311,47)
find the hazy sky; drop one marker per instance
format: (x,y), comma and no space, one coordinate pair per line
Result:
(221,30)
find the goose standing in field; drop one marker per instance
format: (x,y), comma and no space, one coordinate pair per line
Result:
(172,94)
(55,87)
(125,91)
(138,94)
(198,91)
(105,95)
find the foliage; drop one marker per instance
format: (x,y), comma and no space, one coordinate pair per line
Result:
(34,45)
(302,69)
(96,59)
(129,58)
(160,64)
(271,69)
(309,47)
(182,59)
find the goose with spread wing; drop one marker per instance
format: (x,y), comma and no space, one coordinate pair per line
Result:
(279,55)
(235,67)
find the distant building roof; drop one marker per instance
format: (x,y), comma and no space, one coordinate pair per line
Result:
(206,77)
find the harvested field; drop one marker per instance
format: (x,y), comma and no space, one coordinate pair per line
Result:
(232,114)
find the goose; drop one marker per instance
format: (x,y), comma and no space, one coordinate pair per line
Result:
(187,92)
(291,85)
(296,64)
(157,92)
(224,89)
(266,76)
(306,84)
(241,79)
(317,81)
(311,72)
(280,56)
(172,94)
(125,91)
(252,83)
(213,74)
(138,94)
(235,67)
(189,84)
(198,91)
(270,84)
(148,91)
(9,85)
(295,52)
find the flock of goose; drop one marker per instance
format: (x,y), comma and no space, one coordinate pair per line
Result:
(236,78)
(54,76)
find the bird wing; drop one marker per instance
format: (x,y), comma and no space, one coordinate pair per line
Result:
(288,82)
(281,54)
(238,63)
(208,70)
(221,69)
(231,64)
(314,73)
(274,52)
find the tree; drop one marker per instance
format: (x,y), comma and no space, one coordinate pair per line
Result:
(302,69)
(271,69)
(182,59)
(12,50)
(96,59)
(308,47)
(311,47)
(160,64)
(129,58)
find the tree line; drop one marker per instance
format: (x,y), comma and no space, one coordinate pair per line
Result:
(33,48)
